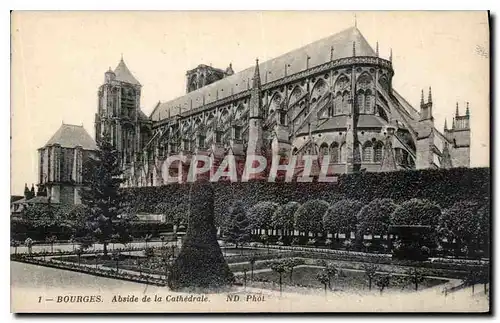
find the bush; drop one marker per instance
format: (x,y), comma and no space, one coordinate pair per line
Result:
(416,212)
(374,218)
(441,186)
(261,213)
(309,216)
(341,216)
(467,222)
(283,217)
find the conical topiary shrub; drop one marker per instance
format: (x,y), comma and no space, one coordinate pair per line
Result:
(200,263)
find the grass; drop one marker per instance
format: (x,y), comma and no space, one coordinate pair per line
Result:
(351,280)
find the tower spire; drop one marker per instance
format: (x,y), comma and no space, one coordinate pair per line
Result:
(353,48)
(467,113)
(422,98)
(331,53)
(456,110)
(256,75)
(429,100)
(445,124)
(377,49)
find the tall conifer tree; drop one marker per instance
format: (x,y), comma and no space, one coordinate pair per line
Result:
(101,196)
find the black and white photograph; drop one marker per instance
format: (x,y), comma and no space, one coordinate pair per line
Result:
(250,162)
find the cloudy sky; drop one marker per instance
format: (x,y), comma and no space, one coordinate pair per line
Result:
(59,60)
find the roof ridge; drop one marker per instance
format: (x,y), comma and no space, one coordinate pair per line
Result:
(318,52)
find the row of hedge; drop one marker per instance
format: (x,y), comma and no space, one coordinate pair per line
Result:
(24,228)
(442,186)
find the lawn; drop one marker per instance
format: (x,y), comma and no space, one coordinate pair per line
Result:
(349,280)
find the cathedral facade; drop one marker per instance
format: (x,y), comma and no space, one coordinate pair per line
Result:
(333,97)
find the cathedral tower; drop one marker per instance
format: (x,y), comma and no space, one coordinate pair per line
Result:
(460,137)
(118,111)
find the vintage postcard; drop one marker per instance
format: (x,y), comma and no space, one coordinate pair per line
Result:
(250,161)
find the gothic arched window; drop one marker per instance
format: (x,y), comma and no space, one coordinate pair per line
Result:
(275,104)
(295,96)
(360,97)
(345,102)
(367,152)
(378,151)
(334,152)
(338,103)
(323,149)
(368,102)
(343,153)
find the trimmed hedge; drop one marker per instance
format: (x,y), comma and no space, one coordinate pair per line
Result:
(21,229)
(441,186)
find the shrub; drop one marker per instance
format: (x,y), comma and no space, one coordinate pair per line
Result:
(283,217)
(374,218)
(239,229)
(416,212)
(309,216)
(341,216)
(466,223)
(261,213)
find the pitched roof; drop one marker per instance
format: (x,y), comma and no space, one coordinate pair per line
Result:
(123,74)
(319,53)
(19,201)
(14,198)
(39,200)
(71,136)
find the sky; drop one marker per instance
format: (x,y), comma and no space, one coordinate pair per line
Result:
(59,60)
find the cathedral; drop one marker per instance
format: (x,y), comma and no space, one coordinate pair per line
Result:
(333,97)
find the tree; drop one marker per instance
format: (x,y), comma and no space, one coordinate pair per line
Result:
(309,216)
(252,261)
(283,217)
(265,240)
(416,212)
(101,196)
(474,277)
(147,237)
(260,214)
(51,240)
(484,277)
(484,228)
(114,239)
(370,272)
(374,218)
(331,272)
(323,278)
(79,252)
(29,243)
(415,277)
(291,263)
(382,281)
(329,243)
(341,217)
(279,267)
(72,240)
(464,222)
(239,229)
(116,257)
(14,243)
(45,217)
